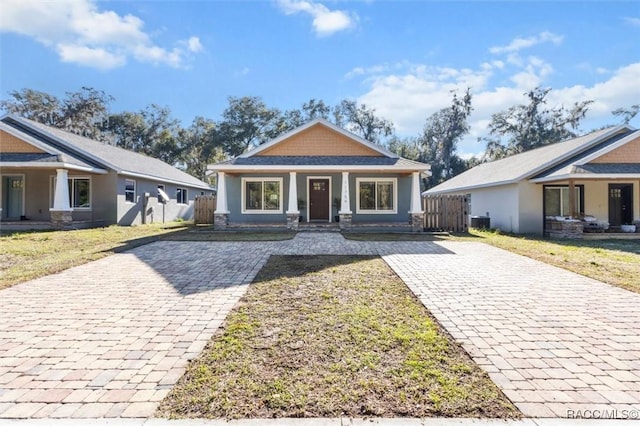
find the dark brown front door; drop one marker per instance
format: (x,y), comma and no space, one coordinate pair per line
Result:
(319,200)
(620,204)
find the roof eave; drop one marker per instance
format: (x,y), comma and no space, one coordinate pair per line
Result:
(284,168)
(51,165)
(586,176)
(163,179)
(609,148)
(435,190)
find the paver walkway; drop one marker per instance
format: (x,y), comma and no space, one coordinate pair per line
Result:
(110,338)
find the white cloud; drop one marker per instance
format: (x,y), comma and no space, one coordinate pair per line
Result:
(194,44)
(325,21)
(82,34)
(409,93)
(519,43)
(633,21)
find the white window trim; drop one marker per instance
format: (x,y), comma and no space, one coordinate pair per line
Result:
(52,189)
(261,179)
(135,191)
(394,182)
(183,190)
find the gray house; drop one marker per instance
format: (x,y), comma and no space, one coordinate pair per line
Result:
(319,173)
(52,176)
(592,179)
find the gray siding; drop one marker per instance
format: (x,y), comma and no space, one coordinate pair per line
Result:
(151,211)
(234,195)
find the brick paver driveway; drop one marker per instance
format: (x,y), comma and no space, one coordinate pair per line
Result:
(110,338)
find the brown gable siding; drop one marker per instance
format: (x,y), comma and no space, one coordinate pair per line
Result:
(627,153)
(9,143)
(319,140)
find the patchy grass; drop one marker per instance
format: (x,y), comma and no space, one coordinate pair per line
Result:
(29,255)
(327,336)
(616,262)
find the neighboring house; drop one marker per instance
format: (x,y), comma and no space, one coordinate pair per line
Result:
(596,175)
(49,175)
(319,173)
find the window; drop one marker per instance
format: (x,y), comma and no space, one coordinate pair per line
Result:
(130,190)
(556,200)
(79,192)
(378,196)
(161,193)
(182,196)
(262,195)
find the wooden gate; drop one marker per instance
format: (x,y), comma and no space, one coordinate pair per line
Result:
(203,208)
(446,213)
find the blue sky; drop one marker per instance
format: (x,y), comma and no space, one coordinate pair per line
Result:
(400,57)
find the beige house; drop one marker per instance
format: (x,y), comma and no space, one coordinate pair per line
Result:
(52,177)
(594,179)
(319,173)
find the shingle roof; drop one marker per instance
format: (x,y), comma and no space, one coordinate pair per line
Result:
(319,161)
(527,164)
(88,151)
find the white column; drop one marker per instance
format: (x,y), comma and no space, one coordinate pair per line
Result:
(416,201)
(293,194)
(221,195)
(61,195)
(345,203)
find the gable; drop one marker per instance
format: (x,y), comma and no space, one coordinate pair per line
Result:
(625,154)
(12,144)
(319,140)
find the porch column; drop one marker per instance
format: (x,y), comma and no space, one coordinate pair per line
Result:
(345,212)
(572,199)
(221,214)
(416,214)
(61,211)
(293,214)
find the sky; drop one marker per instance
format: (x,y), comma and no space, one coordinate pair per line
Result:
(402,58)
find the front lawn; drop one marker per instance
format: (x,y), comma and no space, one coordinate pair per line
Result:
(328,336)
(28,255)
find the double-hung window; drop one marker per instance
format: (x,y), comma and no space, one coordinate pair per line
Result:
(377,196)
(262,195)
(130,190)
(182,196)
(79,192)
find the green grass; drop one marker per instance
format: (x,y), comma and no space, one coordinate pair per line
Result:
(327,336)
(29,255)
(616,262)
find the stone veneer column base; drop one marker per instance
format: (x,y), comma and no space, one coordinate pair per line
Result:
(417,222)
(61,219)
(292,221)
(345,220)
(220,221)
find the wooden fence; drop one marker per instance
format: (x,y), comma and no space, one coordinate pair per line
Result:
(446,212)
(204,206)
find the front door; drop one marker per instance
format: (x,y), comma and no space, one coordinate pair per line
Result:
(13,187)
(319,200)
(620,203)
